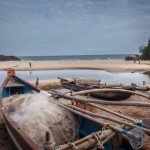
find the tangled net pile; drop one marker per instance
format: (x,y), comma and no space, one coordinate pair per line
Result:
(35,115)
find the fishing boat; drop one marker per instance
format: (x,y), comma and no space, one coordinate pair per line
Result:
(116,95)
(90,133)
(14,85)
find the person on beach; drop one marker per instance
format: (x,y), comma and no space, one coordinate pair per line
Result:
(134,60)
(37,82)
(139,61)
(30,64)
(99,83)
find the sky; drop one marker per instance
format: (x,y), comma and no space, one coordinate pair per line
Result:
(73,27)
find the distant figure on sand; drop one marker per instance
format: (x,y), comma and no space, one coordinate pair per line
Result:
(30,65)
(37,82)
(137,58)
(139,61)
(134,60)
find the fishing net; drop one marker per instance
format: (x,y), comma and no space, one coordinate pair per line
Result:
(36,114)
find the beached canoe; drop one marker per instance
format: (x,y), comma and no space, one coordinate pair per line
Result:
(107,95)
(89,136)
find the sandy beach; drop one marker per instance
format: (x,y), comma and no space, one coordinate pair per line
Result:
(107,65)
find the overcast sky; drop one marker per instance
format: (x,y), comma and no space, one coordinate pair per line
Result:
(68,27)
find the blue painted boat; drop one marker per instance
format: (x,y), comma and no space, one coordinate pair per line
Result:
(14,85)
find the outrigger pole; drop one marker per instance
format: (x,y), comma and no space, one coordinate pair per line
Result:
(135,136)
(83,100)
(109,90)
(109,118)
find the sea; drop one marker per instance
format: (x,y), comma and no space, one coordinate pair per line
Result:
(75,57)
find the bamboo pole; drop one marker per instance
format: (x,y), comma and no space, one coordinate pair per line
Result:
(113,112)
(109,90)
(138,104)
(144,125)
(109,118)
(89,141)
(84,143)
(130,88)
(101,123)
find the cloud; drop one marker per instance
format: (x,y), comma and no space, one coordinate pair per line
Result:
(29,27)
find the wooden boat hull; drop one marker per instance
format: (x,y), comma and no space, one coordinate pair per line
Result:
(20,139)
(107,95)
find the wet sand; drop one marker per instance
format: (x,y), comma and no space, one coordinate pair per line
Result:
(107,65)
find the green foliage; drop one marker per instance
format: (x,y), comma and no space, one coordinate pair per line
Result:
(145,51)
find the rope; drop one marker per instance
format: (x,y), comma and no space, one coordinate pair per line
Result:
(99,142)
(105,127)
(90,140)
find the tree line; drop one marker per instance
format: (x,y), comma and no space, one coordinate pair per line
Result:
(145,51)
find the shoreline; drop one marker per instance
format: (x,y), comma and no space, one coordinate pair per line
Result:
(113,66)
